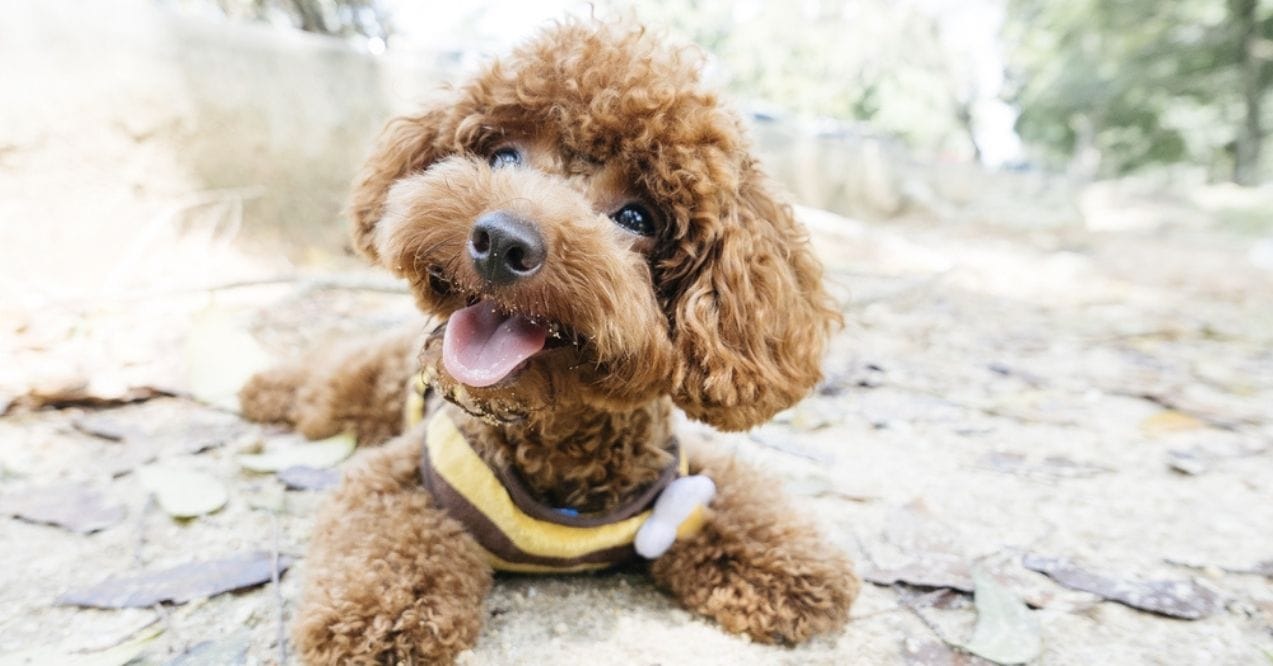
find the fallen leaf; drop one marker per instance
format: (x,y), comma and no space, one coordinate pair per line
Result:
(913,527)
(1169,421)
(1006,631)
(1200,459)
(1187,462)
(82,393)
(105,427)
(183,493)
(220,357)
(323,453)
(153,428)
(302,477)
(116,656)
(927,569)
(269,497)
(74,507)
(1264,568)
(102,631)
(1175,598)
(179,584)
(232,651)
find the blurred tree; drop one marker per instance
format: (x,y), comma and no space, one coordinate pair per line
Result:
(344,18)
(876,61)
(1114,86)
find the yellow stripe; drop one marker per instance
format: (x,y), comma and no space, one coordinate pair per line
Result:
(413,411)
(461,467)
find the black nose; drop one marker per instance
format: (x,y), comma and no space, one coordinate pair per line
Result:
(505,248)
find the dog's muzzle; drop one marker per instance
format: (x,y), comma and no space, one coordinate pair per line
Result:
(505,248)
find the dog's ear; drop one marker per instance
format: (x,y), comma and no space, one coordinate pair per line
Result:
(407,144)
(751,322)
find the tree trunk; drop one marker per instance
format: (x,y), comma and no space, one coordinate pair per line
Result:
(312,16)
(1250,135)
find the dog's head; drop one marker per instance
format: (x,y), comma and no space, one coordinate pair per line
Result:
(593,229)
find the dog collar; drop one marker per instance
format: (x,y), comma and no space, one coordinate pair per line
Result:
(521,534)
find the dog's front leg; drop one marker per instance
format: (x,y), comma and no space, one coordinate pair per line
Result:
(756,567)
(359,387)
(389,578)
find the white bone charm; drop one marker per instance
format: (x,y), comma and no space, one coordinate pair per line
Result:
(673,506)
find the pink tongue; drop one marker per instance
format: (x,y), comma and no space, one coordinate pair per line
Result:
(482,346)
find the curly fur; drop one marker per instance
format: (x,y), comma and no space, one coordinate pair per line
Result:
(721,313)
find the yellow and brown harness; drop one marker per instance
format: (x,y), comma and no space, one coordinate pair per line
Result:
(518,532)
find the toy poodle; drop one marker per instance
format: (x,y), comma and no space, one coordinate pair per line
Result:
(596,247)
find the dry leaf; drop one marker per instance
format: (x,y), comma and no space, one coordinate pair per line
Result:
(1187,462)
(81,393)
(75,507)
(302,477)
(179,584)
(928,569)
(183,493)
(323,453)
(914,528)
(1169,421)
(220,357)
(1264,568)
(1176,598)
(1200,459)
(1006,631)
(105,427)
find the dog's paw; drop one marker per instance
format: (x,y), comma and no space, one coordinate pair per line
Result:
(420,635)
(785,605)
(774,592)
(270,396)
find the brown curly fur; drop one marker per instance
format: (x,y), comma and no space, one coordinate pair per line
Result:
(721,313)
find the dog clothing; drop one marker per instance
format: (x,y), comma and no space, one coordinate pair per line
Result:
(521,534)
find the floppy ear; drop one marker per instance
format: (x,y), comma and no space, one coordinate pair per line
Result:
(751,324)
(407,144)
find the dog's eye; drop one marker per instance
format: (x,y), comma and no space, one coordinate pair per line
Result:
(505,157)
(635,218)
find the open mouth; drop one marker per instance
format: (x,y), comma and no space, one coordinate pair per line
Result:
(485,342)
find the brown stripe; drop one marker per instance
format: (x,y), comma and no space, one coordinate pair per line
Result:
(490,537)
(522,497)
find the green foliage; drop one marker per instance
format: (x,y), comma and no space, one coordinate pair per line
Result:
(872,61)
(1122,85)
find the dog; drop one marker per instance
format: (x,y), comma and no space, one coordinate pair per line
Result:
(596,247)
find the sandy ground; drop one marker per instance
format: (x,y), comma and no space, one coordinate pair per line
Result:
(994,392)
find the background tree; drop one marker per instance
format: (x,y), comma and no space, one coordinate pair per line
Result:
(343,18)
(1114,86)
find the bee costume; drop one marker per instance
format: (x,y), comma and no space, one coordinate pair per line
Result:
(521,534)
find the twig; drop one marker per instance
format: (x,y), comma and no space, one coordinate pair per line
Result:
(303,284)
(281,635)
(911,605)
(1217,421)
(790,450)
(169,626)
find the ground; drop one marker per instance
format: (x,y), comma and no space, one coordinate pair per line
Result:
(997,390)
